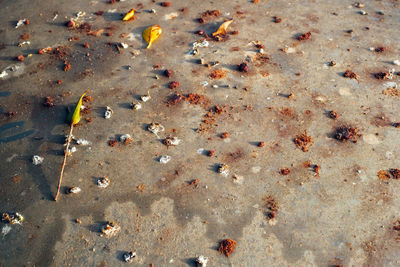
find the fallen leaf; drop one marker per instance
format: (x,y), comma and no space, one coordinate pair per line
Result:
(77,111)
(129,15)
(151,34)
(223,28)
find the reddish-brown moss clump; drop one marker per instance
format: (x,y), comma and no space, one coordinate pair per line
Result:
(227,247)
(303,141)
(345,133)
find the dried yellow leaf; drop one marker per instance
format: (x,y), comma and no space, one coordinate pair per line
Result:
(129,15)
(223,28)
(151,34)
(76,114)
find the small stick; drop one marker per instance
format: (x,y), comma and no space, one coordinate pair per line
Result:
(65,160)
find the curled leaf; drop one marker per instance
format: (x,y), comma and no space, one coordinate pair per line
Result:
(223,28)
(151,34)
(129,15)
(75,118)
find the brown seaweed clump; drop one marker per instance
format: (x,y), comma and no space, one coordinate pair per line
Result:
(345,133)
(227,246)
(303,141)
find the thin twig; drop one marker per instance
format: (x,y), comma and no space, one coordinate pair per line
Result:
(65,160)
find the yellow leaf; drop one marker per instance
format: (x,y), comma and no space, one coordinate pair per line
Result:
(223,28)
(77,111)
(129,15)
(151,34)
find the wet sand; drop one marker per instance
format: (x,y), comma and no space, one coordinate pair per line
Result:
(333,211)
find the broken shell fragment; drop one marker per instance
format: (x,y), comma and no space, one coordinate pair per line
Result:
(108,112)
(82,142)
(73,190)
(126,139)
(110,229)
(129,256)
(136,106)
(146,98)
(223,169)
(36,160)
(202,261)
(103,182)
(71,150)
(171,141)
(12,218)
(165,159)
(155,128)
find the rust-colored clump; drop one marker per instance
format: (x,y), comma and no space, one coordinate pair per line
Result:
(218,74)
(303,141)
(243,67)
(345,133)
(87,98)
(224,135)
(48,102)
(380,49)
(284,171)
(173,85)
(227,247)
(175,99)
(19,58)
(304,36)
(168,73)
(196,99)
(112,143)
(395,173)
(194,182)
(67,65)
(350,74)
(333,115)
(24,36)
(209,14)
(210,153)
(165,4)
(382,75)
(261,144)
(272,207)
(383,175)
(210,118)
(276,19)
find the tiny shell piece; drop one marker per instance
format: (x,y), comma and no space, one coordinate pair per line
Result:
(126,138)
(74,190)
(123,45)
(396,62)
(36,160)
(82,142)
(129,256)
(108,112)
(172,141)
(155,128)
(71,150)
(136,106)
(110,229)
(165,159)
(223,169)
(103,182)
(146,98)
(12,218)
(201,261)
